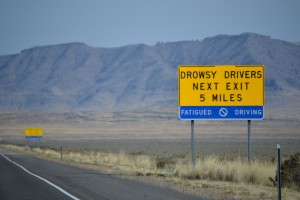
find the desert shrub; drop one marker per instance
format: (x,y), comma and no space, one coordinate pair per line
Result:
(290,171)
(162,162)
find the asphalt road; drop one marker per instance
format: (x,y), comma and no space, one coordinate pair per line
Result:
(17,183)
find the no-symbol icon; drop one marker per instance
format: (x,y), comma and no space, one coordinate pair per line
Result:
(223,112)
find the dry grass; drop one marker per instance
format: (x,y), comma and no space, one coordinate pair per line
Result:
(115,160)
(237,170)
(121,161)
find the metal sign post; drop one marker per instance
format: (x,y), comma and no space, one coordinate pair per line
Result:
(193,142)
(39,140)
(249,143)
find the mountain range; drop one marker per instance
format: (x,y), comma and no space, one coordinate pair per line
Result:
(78,77)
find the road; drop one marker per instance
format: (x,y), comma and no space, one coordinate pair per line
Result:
(49,180)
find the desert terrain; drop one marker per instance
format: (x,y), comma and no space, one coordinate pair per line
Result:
(152,132)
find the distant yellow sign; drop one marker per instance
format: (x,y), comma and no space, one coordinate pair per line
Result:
(33,132)
(221,85)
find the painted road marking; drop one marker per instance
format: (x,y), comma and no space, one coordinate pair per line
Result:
(45,180)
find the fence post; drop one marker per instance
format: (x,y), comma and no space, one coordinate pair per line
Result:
(278,172)
(61,149)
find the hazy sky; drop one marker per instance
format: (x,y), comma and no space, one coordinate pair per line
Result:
(114,23)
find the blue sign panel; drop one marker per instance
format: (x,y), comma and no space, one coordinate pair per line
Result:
(221,112)
(33,137)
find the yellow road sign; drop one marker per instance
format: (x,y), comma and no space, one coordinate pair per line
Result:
(223,85)
(221,92)
(33,132)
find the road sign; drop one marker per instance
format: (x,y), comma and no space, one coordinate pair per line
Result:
(222,92)
(33,133)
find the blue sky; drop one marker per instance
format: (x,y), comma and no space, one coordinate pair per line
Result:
(114,23)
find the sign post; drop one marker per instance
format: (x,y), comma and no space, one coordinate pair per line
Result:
(193,142)
(249,143)
(221,92)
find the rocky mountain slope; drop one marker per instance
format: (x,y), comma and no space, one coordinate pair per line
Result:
(76,77)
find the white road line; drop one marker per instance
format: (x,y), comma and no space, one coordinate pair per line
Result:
(52,184)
